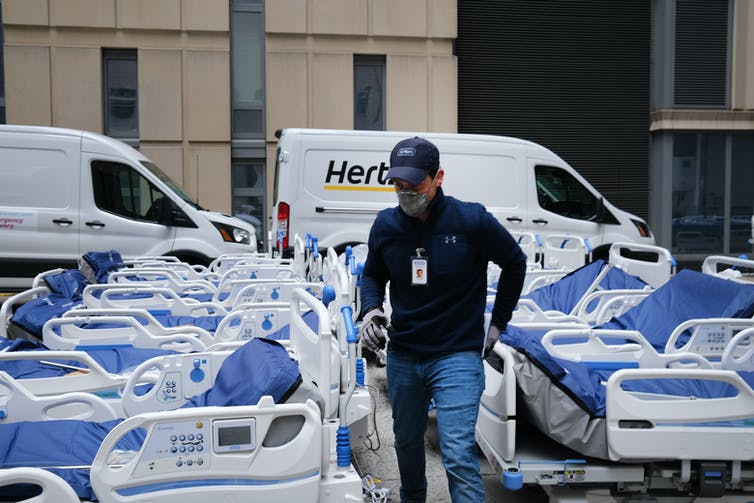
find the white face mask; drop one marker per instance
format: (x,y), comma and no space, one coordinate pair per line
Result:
(412,203)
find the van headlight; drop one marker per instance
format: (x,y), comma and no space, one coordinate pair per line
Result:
(233,234)
(642,228)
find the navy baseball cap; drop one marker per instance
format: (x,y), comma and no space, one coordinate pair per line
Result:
(413,159)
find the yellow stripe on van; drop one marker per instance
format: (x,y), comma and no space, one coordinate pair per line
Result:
(357,188)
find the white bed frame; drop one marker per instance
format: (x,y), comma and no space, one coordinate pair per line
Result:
(69,332)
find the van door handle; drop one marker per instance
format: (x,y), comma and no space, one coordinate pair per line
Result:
(95,223)
(63,222)
(539,221)
(515,219)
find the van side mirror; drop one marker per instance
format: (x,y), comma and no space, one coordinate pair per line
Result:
(599,211)
(171,214)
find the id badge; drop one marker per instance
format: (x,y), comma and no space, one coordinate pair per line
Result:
(419,271)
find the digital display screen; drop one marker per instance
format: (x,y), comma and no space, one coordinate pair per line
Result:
(233,435)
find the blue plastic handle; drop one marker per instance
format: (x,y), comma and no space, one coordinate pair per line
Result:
(351,336)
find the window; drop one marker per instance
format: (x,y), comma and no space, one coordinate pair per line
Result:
(369,92)
(120,93)
(559,192)
(712,197)
(119,189)
(249,193)
(247,68)
(2,71)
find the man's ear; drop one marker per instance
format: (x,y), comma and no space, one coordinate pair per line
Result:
(439,177)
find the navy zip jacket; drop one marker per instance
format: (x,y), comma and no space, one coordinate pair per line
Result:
(447,315)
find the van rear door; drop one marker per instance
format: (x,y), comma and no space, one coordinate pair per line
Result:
(120,209)
(38,204)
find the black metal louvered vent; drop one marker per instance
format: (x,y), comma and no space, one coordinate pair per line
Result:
(701,53)
(572,75)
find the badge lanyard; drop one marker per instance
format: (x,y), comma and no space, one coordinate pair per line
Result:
(420,268)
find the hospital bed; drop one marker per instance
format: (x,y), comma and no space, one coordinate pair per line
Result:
(260,470)
(615,412)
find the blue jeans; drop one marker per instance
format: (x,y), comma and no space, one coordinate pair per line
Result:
(456,382)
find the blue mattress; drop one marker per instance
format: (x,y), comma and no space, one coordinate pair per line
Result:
(113,359)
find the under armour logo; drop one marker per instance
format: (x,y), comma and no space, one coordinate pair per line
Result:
(450,240)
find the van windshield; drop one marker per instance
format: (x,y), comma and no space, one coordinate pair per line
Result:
(156,171)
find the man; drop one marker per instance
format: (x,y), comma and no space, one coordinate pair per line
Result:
(434,251)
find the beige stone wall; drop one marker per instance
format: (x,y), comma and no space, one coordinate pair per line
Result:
(53,59)
(310,45)
(28,98)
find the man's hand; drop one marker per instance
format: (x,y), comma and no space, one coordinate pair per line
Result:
(370,333)
(493,334)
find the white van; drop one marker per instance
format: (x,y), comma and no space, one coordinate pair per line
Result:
(331,184)
(65,192)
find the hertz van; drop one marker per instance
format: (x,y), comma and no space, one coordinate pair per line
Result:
(331,184)
(65,192)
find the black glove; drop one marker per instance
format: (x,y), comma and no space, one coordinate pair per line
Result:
(493,335)
(370,333)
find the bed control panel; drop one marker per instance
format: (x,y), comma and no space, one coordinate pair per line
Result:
(234,435)
(185,380)
(178,446)
(712,339)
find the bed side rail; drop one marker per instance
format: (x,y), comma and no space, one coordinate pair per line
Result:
(86,375)
(54,489)
(709,337)
(18,404)
(599,306)
(651,426)
(253,320)
(316,352)
(653,264)
(174,378)
(113,327)
(607,349)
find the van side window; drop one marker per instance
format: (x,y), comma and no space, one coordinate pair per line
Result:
(120,189)
(559,192)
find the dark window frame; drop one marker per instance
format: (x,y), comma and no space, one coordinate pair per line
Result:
(247,106)
(363,62)
(109,55)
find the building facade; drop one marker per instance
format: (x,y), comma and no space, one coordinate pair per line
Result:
(652,100)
